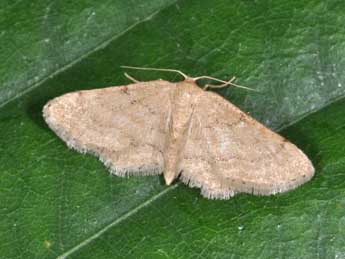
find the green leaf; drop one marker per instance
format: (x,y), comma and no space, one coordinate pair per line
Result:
(41,39)
(56,202)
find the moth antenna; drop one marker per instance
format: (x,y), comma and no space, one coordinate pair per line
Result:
(158,69)
(224,83)
(219,86)
(131,78)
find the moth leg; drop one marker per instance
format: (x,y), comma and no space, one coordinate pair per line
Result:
(131,78)
(219,86)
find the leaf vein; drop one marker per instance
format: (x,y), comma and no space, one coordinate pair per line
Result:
(117,221)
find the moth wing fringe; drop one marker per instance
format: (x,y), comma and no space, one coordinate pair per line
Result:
(227,193)
(221,194)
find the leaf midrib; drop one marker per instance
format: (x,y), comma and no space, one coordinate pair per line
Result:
(117,221)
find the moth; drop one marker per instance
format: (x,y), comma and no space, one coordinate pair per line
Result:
(181,131)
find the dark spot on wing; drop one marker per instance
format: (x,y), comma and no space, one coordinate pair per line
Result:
(125,90)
